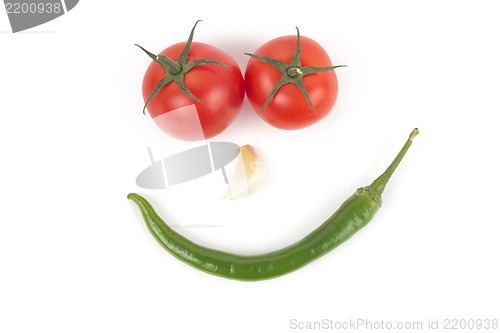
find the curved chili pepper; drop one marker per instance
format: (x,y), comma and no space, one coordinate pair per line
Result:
(351,216)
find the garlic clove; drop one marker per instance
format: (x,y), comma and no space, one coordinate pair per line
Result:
(249,174)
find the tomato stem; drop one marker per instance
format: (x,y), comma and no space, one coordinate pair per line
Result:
(176,70)
(292,72)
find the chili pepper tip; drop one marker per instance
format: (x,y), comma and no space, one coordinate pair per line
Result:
(414,133)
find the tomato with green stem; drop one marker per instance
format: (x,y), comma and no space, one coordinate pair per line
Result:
(290,82)
(192,90)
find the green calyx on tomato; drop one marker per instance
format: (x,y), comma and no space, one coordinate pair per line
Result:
(176,70)
(292,72)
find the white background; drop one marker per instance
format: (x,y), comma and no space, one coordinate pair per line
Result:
(75,255)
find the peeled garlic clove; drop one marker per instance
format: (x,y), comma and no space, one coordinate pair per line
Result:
(248,175)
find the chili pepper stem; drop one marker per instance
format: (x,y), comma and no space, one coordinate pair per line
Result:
(377,187)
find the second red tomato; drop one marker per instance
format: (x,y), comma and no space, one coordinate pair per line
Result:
(283,59)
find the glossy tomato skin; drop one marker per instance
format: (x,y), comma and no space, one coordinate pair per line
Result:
(221,90)
(288,109)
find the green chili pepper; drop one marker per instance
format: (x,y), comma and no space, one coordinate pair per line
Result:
(351,216)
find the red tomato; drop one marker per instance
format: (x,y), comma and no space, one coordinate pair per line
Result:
(289,108)
(220,89)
